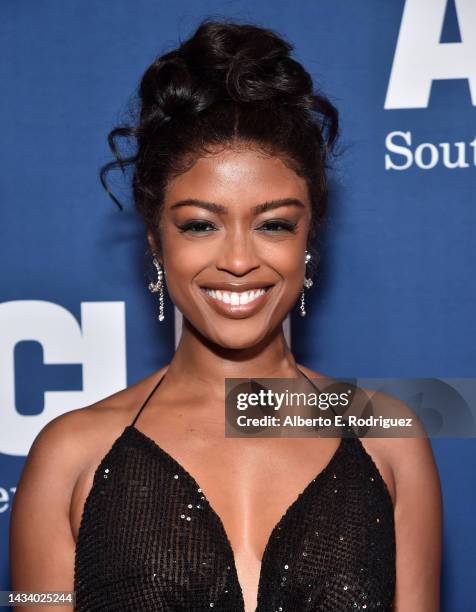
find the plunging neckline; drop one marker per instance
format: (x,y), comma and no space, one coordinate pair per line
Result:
(315,482)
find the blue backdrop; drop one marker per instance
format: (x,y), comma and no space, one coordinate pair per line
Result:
(396,294)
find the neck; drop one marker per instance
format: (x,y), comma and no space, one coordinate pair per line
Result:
(199,361)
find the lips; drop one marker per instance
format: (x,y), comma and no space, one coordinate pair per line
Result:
(240,302)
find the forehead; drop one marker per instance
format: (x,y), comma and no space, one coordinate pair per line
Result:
(237,175)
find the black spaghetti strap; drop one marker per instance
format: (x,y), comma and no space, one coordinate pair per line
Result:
(148,398)
(306,376)
(347,429)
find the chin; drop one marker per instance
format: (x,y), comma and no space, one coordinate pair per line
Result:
(238,339)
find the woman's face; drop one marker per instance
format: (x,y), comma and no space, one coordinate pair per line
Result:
(216,234)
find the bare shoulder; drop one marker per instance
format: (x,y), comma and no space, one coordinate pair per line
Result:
(418,507)
(73,439)
(100,423)
(42,541)
(398,437)
(399,434)
(404,460)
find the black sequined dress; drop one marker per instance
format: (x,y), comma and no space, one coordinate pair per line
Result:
(150,540)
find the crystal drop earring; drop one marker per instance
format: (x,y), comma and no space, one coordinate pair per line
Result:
(158,286)
(307,284)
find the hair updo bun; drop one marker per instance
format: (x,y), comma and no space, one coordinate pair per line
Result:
(228,82)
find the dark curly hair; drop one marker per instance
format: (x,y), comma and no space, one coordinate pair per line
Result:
(227,84)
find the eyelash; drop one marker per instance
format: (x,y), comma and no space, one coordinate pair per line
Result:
(288,227)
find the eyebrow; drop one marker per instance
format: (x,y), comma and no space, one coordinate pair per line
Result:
(219,208)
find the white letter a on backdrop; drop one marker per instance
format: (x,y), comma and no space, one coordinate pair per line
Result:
(420,58)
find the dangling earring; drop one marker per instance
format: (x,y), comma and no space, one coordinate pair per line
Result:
(158,286)
(307,283)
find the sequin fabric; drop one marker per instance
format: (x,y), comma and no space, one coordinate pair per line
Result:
(150,540)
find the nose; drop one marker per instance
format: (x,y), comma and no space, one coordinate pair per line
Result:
(237,253)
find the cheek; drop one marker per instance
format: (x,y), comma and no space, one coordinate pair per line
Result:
(287,258)
(290,269)
(184,260)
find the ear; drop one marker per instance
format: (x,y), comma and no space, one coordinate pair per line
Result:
(152,242)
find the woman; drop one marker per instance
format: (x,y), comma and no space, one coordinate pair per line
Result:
(139,502)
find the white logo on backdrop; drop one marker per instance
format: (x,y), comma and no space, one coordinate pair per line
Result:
(98,344)
(420,58)
(6,498)
(427,155)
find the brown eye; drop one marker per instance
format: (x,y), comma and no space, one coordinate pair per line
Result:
(279,226)
(196,227)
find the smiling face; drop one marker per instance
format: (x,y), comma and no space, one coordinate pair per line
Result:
(237,220)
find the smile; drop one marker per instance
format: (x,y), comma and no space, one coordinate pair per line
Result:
(235,298)
(236,304)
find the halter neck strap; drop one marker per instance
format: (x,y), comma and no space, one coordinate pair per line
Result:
(148,398)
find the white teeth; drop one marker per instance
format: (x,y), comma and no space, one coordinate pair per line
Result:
(235,298)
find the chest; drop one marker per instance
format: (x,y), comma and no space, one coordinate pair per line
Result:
(235,539)
(250,483)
